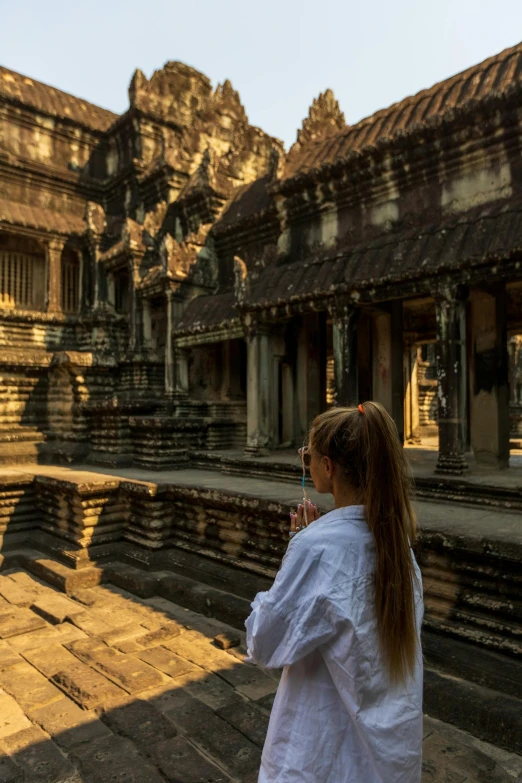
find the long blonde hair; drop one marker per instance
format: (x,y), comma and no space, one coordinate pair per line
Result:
(366,446)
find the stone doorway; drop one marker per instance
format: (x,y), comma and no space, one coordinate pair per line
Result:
(420,399)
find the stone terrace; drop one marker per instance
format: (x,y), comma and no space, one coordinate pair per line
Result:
(104,686)
(210,539)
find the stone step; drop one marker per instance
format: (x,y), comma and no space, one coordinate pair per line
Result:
(487,714)
(19,435)
(51,571)
(226,607)
(454,756)
(19,453)
(426,488)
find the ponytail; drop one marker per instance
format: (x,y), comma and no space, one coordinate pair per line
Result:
(364,443)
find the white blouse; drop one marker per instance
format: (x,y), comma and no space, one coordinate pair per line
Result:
(335,718)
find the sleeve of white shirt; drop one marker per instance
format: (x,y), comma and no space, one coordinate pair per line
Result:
(295,616)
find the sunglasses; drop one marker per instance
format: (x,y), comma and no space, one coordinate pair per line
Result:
(305,455)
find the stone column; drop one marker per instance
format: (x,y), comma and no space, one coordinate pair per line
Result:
(451,368)
(310,373)
(259,392)
(169,357)
(99,290)
(146,325)
(397,367)
(388,362)
(133,309)
(382,360)
(489,404)
(81,285)
(181,377)
(344,333)
(54,250)
(225,386)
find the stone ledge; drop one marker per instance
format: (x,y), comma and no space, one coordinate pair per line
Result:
(488,715)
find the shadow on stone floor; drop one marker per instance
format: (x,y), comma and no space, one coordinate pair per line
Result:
(102,686)
(79,708)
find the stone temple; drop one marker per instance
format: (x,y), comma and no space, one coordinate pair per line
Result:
(170,278)
(180,296)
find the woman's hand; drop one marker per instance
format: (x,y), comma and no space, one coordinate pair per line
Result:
(297,520)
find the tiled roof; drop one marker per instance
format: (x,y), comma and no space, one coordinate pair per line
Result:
(51,101)
(489,234)
(16,214)
(494,76)
(207,312)
(246,200)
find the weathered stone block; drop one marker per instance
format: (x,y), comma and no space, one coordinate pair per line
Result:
(129,673)
(127,646)
(86,595)
(168,662)
(266,702)
(168,630)
(28,686)
(128,632)
(140,721)
(181,763)
(14,593)
(17,620)
(226,607)
(247,718)
(64,578)
(225,641)
(69,725)
(39,758)
(92,624)
(134,580)
(12,717)
(449,760)
(219,739)
(85,686)
(114,759)
(9,771)
(249,680)
(8,656)
(56,609)
(50,659)
(52,634)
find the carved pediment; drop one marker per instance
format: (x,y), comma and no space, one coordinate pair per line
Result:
(324,119)
(176,92)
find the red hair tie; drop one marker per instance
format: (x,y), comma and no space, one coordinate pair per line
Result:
(360,407)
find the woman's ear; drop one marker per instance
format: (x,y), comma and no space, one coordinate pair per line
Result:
(328,466)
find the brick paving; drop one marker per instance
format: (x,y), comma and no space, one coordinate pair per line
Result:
(104,687)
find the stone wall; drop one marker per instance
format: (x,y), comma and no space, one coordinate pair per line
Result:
(471,586)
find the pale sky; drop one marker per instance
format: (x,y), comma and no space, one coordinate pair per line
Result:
(279,54)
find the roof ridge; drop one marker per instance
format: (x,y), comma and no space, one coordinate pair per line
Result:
(31,91)
(502,56)
(413,110)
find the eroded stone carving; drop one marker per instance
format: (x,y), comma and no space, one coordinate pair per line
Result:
(324,118)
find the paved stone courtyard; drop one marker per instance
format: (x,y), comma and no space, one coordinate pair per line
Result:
(103,687)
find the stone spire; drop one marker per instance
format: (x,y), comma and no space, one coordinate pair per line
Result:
(226,101)
(324,119)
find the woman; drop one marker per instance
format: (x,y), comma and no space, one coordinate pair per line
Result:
(343,616)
